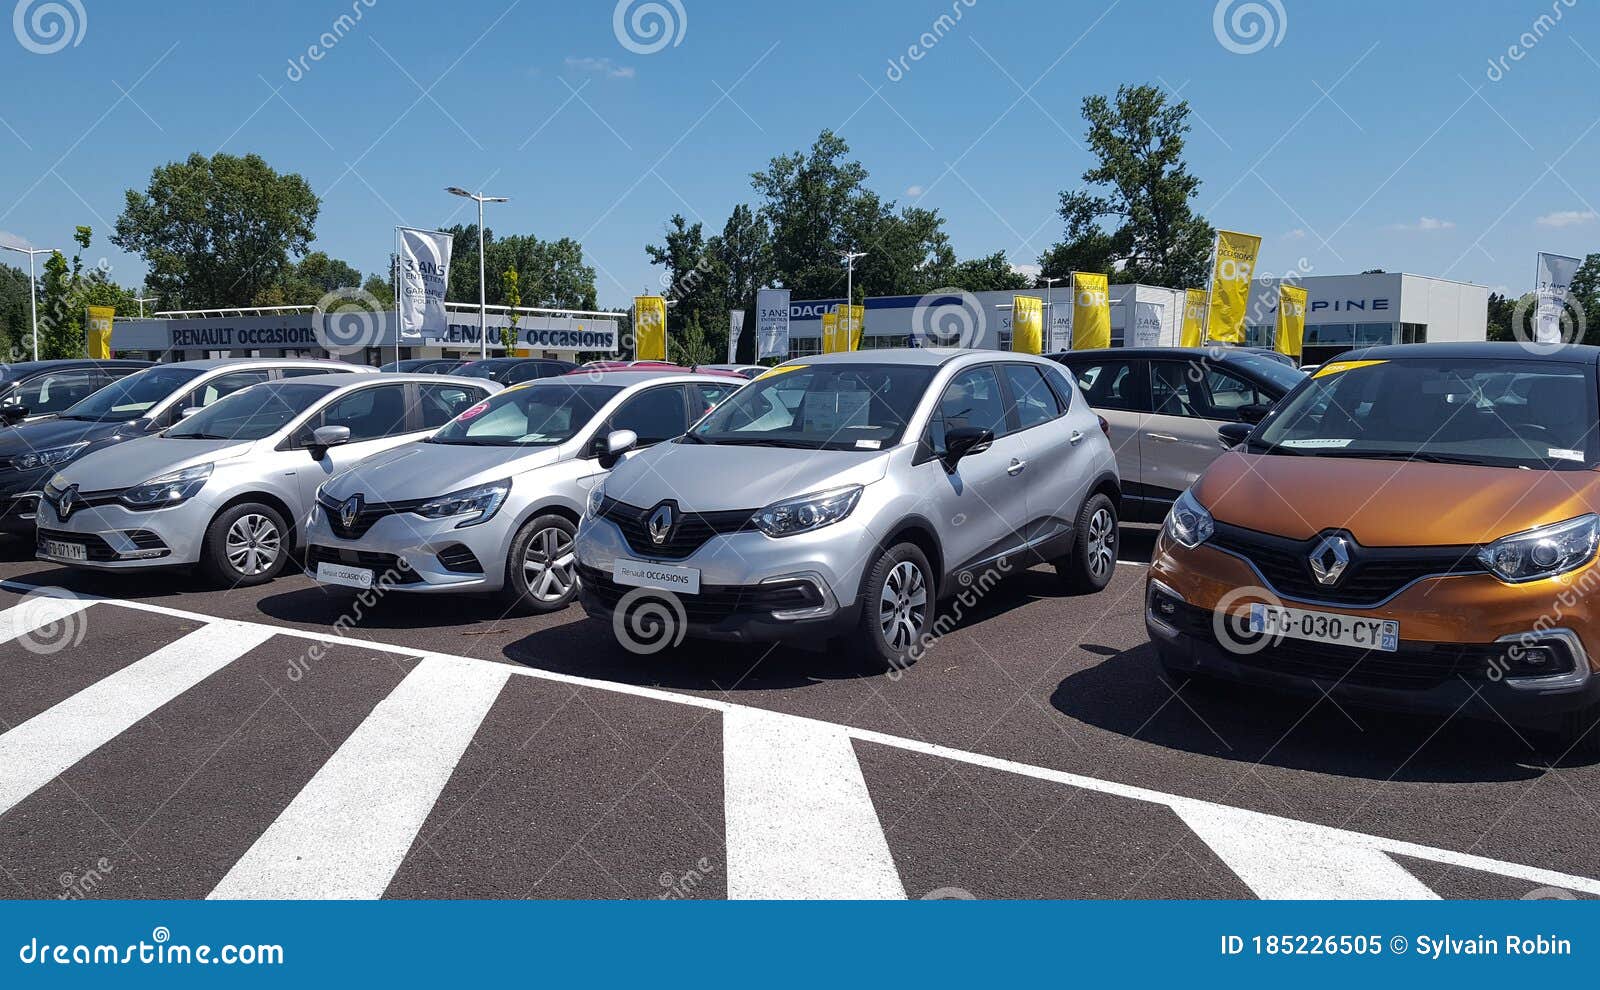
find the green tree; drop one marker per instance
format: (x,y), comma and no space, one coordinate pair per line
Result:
(217,231)
(988,274)
(14,309)
(307,281)
(551,273)
(513,298)
(1134,214)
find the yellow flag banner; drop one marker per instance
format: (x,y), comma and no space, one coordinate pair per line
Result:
(1230,285)
(1194,318)
(99,324)
(649,328)
(1291,320)
(1091,311)
(830,333)
(1027,324)
(852,319)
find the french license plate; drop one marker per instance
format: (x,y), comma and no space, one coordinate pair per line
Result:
(65,551)
(349,577)
(661,577)
(1325,627)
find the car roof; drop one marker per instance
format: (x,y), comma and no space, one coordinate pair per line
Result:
(1495,350)
(19,368)
(1216,352)
(924,357)
(621,378)
(341,379)
(207,364)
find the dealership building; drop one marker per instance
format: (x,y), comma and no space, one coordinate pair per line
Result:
(1342,312)
(360,337)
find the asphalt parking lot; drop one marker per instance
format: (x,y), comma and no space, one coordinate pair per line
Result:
(160,740)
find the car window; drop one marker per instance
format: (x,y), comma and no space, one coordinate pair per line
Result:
(820,407)
(1034,401)
(1227,393)
(1060,382)
(132,396)
(542,415)
(223,386)
(56,391)
(251,415)
(305,372)
(712,395)
(369,413)
(527,371)
(1174,391)
(655,414)
(442,403)
(1111,384)
(972,399)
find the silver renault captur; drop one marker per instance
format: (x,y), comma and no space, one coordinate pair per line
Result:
(491,502)
(225,488)
(845,495)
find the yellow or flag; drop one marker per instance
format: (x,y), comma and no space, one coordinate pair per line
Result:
(1291,320)
(1027,324)
(1194,318)
(1234,266)
(851,320)
(99,322)
(649,328)
(830,333)
(1091,311)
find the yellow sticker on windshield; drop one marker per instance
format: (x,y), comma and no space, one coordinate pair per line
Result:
(782,369)
(1340,366)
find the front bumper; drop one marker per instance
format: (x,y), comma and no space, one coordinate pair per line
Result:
(19,499)
(421,555)
(1456,651)
(116,538)
(753,588)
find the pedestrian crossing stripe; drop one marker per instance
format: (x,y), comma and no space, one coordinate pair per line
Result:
(799,820)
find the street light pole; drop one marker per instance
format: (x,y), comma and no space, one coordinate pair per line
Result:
(849,296)
(33,299)
(141,300)
(483,306)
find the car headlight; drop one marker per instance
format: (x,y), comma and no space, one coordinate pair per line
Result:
(1188,523)
(476,505)
(597,495)
(1543,552)
(808,512)
(169,489)
(48,457)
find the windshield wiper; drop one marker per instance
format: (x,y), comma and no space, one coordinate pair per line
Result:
(1402,455)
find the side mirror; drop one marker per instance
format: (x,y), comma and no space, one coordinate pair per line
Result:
(324,437)
(1253,413)
(1233,434)
(188,411)
(964,441)
(13,412)
(613,445)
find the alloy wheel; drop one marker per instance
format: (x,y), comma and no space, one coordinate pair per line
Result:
(1102,548)
(253,544)
(903,605)
(549,566)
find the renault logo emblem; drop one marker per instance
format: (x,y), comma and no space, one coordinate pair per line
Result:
(65,503)
(661,523)
(1329,559)
(350,511)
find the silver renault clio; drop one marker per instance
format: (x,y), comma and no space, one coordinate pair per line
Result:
(491,502)
(226,487)
(846,495)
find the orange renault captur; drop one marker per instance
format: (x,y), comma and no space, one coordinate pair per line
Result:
(1413,526)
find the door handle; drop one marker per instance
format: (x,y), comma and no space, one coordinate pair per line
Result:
(1016,467)
(1075,437)
(1163,437)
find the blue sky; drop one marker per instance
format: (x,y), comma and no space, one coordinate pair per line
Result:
(1371,135)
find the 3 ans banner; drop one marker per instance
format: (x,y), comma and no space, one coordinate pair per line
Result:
(1027,324)
(1091,311)
(1194,318)
(1234,266)
(772,323)
(99,324)
(649,328)
(1291,320)
(424,282)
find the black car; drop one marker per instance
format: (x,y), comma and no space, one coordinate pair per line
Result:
(424,366)
(512,371)
(30,389)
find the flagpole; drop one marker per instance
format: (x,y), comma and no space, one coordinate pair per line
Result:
(1211,276)
(394,276)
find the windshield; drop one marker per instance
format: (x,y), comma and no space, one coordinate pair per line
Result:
(819,407)
(131,397)
(1532,414)
(251,413)
(540,415)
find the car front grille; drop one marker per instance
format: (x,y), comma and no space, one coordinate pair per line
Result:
(714,603)
(1373,575)
(366,517)
(689,532)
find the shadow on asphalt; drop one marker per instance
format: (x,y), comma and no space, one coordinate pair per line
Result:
(1128,693)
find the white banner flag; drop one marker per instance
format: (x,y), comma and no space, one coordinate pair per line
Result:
(772,323)
(1149,322)
(735,331)
(424,279)
(1553,280)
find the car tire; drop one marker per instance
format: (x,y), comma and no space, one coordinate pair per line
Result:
(246,544)
(541,567)
(1093,560)
(897,607)
(1578,733)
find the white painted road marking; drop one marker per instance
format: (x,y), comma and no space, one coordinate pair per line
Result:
(1289,860)
(34,613)
(800,823)
(37,751)
(345,834)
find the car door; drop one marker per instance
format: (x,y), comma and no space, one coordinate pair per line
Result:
(1060,466)
(655,415)
(53,391)
(982,504)
(1118,388)
(377,416)
(1180,437)
(209,391)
